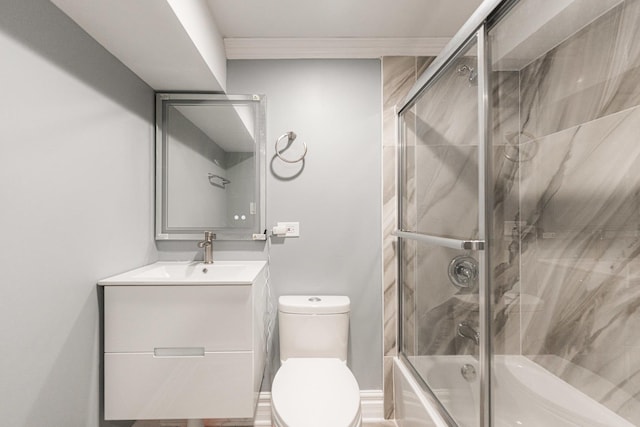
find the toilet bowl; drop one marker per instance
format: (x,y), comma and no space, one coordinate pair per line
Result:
(315,393)
(314,387)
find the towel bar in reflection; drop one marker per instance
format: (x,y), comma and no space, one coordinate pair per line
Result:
(218,181)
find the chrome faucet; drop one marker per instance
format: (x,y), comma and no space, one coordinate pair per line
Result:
(207,244)
(465,330)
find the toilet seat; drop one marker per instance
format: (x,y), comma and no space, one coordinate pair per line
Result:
(315,392)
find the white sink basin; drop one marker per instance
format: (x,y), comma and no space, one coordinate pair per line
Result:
(189,273)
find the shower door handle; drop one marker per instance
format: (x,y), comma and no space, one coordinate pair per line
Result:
(470,245)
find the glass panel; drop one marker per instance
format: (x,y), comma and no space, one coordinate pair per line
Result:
(440,179)
(440,324)
(210,176)
(439,197)
(566,248)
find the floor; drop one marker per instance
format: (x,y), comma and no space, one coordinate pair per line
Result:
(180,423)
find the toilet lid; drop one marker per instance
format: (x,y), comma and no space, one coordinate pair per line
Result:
(312,392)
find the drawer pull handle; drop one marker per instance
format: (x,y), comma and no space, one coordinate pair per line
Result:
(178,352)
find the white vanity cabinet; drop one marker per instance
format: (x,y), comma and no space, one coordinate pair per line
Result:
(180,348)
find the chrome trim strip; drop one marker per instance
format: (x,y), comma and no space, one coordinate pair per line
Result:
(400,174)
(158,167)
(485,205)
(472,245)
(467,31)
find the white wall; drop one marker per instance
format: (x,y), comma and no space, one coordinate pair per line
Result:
(76,150)
(334,106)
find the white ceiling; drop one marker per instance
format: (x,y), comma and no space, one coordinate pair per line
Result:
(180,45)
(340,18)
(261,29)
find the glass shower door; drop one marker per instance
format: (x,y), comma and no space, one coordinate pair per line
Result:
(566,251)
(440,234)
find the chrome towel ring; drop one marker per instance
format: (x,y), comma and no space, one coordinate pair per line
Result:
(291,136)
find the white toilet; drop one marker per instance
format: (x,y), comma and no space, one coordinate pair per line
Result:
(314,387)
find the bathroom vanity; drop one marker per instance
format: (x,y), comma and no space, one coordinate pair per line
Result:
(184,340)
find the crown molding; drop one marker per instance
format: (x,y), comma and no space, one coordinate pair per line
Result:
(338,48)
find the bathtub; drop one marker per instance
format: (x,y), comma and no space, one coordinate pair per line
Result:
(525,394)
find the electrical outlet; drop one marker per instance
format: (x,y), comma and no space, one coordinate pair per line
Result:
(293,228)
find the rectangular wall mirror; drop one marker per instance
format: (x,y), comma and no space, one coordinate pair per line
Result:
(210,166)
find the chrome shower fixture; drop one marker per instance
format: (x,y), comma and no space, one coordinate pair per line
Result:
(463,271)
(471,73)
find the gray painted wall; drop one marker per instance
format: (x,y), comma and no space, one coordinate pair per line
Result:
(76,184)
(335,108)
(76,191)
(190,156)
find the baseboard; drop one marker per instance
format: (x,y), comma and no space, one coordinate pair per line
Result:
(371,402)
(263,411)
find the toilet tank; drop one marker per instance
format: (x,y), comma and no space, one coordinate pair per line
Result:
(313,326)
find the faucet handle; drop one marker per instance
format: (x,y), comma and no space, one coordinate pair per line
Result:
(209,237)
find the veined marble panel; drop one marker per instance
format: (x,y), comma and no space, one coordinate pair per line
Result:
(399,75)
(505,248)
(390,274)
(446,191)
(446,181)
(422,63)
(505,253)
(388,391)
(441,306)
(410,277)
(580,198)
(505,111)
(447,113)
(590,75)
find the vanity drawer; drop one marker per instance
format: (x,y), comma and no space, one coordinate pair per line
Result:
(139,386)
(143,318)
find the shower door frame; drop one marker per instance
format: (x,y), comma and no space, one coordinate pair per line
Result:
(475,29)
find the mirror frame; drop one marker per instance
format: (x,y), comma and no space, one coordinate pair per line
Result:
(163,100)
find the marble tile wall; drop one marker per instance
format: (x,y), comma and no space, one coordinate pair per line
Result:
(442,161)
(505,250)
(399,74)
(445,204)
(579,186)
(592,74)
(566,253)
(580,253)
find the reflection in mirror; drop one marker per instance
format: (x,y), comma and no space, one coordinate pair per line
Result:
(209,167)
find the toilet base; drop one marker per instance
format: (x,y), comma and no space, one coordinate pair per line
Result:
(276,423)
